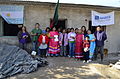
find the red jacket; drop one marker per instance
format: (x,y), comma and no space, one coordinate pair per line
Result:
(86,44)
(41,38)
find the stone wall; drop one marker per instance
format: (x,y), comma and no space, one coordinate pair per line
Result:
(75,18)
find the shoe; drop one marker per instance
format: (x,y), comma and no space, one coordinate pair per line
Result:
(69,56)
(84,61)
(89,60)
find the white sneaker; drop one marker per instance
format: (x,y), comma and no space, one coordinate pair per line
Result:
(89,60)
(84,61)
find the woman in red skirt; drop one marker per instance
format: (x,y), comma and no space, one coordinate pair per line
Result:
(79,45)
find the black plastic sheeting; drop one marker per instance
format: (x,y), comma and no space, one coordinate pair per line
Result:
(14,60)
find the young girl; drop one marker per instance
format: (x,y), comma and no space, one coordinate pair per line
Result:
(63,40)
(43,41)
(79,45)
(71,38)
(86,45)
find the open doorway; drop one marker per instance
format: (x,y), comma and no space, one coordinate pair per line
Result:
(10,29)
(93,28)
(61,23)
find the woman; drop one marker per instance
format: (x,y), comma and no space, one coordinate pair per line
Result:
(76,30)
(71,39)
(83,28)
(79,45)
(92,44)
(68,31)
(24,38)
(47,31)
(54,47)
(63,40)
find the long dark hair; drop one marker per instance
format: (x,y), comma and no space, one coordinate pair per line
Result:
(47,28)
(24,27)
(85,31)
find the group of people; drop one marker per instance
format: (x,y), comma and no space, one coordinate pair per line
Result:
(74,43)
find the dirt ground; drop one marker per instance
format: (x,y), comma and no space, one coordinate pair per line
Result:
(67,68)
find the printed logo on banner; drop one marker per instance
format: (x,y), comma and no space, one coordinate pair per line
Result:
(96,17)
(102,18)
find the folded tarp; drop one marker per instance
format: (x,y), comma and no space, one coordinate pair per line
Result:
(14,60)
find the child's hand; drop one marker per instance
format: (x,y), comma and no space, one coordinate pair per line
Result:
(86,49)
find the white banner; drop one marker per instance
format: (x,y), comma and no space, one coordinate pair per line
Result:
(102,18)
(12,14)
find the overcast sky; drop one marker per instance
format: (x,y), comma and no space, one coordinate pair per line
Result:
(114,3)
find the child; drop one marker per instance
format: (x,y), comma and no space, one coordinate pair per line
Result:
(63,40)
(43,40)
(86,45)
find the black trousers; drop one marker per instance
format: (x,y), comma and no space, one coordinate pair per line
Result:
(43,52)
(99,49)
(86,55)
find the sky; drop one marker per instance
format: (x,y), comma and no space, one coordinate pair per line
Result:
(112,3)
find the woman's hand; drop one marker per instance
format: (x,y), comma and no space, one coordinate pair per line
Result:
(72,37)
(92,40)
(52,37)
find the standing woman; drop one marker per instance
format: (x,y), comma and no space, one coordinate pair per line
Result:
(71,39)
(54,47)
(67,47)
(79,45)
(24,38)
(76,30)
(47,31)
(63,40)
(92,44)
(83,28)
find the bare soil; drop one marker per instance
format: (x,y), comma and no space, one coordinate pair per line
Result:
(69,68)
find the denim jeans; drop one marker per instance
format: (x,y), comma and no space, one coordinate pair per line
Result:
(35,46)
(42,52)
(23,46)
(71,49)
(63,51)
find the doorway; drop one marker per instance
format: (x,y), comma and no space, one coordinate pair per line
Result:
(61,23)
(93,28)
(10,29)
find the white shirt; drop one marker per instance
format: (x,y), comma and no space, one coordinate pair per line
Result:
(71,34)
(43,40)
